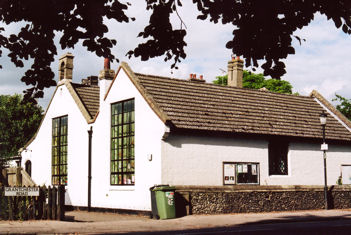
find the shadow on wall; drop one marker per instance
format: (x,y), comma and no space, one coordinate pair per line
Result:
(209,140)
(316,146)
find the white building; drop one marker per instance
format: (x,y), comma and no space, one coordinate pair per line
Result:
(148,130)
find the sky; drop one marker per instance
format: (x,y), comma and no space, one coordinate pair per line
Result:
(322,62)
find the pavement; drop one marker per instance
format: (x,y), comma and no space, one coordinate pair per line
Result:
(294,222)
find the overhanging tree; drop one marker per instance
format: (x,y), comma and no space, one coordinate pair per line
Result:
(262,30)
(344,105)
(19,120)
(257,81)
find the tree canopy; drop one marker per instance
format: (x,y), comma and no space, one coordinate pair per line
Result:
(257,81)
(261,30)
(19,120)
(344,105)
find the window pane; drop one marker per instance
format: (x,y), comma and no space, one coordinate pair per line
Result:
(122,140)
(59,150)
(278,157)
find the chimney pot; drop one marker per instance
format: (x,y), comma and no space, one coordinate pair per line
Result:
(201,77)
(107,63)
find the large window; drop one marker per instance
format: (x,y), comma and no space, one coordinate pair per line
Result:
(240,173)
(122,143)
(278,157)
(59,150)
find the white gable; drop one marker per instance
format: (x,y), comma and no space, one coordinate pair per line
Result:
(149,130)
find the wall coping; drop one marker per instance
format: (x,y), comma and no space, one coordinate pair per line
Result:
(259,188)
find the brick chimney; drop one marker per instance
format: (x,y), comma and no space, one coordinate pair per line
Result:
(107,73)
(235,72)
(65,67)
(105,78)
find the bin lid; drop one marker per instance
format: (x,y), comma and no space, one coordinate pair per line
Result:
(164,188)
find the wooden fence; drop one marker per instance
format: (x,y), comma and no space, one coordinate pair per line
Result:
(50,204)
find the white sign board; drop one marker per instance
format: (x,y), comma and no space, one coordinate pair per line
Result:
(229,173)
(21,191)
(346,174)
(324,147)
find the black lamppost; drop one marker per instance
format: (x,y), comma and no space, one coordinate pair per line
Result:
(324,147)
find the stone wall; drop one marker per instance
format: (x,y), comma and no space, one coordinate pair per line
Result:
(243,199)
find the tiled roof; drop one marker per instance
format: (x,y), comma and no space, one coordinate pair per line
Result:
(209,107)
(89,95)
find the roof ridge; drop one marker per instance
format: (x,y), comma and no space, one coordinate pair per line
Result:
(328,105)
(221,86)
(147,96)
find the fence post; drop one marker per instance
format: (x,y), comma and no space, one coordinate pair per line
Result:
(29,207)
(41,201)
(10,203)
(15,207)
(54,203)
(34,207)
(61,202)
(49,203)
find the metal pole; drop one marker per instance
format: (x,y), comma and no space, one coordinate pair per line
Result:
(90,133)
(325,173)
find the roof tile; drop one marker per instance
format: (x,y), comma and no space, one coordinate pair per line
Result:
(204,106)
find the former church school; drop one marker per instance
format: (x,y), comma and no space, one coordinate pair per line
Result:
(110,138)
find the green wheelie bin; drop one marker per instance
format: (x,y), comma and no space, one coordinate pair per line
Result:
(165,200)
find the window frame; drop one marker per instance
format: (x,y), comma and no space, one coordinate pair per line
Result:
(130,150)
(236,172)
(275,148)
(59,163)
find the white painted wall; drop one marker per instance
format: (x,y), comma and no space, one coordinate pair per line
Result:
(194,160)
(149,130)
(306,164)
(39,151)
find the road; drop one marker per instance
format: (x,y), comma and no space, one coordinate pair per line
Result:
(298,222)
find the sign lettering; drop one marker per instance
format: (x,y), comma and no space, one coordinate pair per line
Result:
(21,191)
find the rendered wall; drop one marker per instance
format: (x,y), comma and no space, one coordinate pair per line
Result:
(39,151)
(198,160)
(149,130)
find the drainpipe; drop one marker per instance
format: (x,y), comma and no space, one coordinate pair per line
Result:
(90,135)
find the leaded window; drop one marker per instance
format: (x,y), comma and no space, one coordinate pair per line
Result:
(278,157)
(122,143)
(59,150)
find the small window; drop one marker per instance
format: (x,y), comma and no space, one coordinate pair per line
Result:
(240,173)
(278,157)
(62,71)
(28,167)
(346,174)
